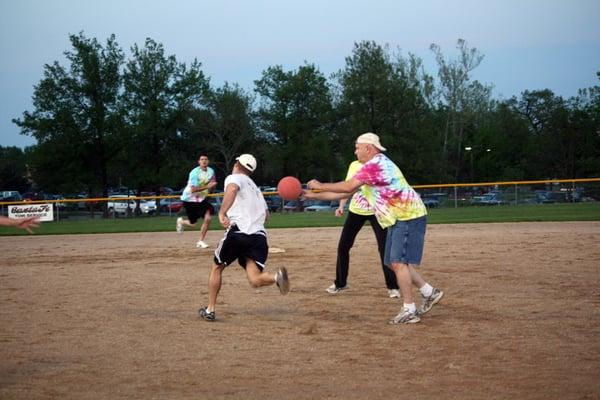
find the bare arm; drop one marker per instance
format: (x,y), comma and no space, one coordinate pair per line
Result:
(23,223)
(350,186)
(228,199)
(310,195)
(340,210)
(209,186)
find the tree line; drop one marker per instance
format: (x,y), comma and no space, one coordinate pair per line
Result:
(104,121)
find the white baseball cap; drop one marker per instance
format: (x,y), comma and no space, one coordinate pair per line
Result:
(370,138)
(247,161)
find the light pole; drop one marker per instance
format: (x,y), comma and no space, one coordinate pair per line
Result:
(470,150)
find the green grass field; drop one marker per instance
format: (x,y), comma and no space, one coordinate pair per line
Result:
(546,212)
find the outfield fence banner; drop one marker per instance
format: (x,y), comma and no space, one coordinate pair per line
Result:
(45,212)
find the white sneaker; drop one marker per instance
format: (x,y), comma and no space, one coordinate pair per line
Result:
(201,245)
(179,225)
(394,293)
(334,289)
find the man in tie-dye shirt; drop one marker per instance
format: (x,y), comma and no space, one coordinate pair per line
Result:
(399,208)
(201,181)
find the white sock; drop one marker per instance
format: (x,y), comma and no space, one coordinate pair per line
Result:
(412,308)
(426,290)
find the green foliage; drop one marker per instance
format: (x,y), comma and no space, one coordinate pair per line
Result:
(295,117)
(13,169)
(104,121)
(159,95)
(76,117)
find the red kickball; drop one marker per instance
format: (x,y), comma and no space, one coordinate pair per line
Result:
(289,188)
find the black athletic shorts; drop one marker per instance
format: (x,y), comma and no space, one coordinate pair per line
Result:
(195,210)
(240,246)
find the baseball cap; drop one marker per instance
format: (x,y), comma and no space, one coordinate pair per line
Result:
(247,161)
(370,138)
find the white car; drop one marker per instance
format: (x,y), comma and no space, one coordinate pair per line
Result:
(322,205)
(119,204)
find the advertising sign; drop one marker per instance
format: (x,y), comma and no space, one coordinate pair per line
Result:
(45,212)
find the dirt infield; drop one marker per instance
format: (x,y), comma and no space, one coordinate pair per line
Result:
(114,316)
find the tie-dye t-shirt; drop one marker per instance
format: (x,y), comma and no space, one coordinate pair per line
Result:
(198,177)
(359,203)
(392,198)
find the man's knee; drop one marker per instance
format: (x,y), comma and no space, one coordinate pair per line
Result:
(399,267)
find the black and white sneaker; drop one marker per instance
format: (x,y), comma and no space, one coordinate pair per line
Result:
(282,280)
(208,316)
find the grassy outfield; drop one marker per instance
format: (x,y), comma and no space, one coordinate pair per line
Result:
(546,212)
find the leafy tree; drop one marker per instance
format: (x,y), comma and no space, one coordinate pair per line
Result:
(76,117)
(389,95)
(159,96)
(230,125)
(462,101)
(13,169)
(295,120)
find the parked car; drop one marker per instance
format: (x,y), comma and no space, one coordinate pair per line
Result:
(10,195)
(294,206)
(322,205)
(430,202)
(170,205)
(488,199)
(120,204)
(273,202)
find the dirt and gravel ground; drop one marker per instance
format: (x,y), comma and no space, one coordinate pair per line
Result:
(114,316)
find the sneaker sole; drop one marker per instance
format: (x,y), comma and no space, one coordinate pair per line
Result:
(410,321)
(283,283)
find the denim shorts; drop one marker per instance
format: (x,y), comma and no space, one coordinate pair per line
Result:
(405,241)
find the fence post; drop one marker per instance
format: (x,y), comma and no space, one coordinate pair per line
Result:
(516,195)
(455,197)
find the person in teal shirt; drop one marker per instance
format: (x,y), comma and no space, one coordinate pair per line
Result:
(201,181)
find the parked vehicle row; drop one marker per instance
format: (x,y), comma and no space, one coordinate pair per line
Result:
(123,205)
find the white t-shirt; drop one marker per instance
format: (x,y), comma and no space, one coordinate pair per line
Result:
(249,209)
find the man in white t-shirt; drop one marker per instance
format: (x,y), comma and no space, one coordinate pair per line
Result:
(243,213)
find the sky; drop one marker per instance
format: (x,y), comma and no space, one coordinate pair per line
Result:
(527,44)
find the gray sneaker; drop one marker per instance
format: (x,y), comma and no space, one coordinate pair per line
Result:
(405,317)
(428,302)
(282,280)
(334,289)
(179,225)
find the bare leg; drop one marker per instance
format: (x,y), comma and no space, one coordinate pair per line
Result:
(404,278)
(205,225)
(256,277)
(214,285)
(186,222)
(417,279)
